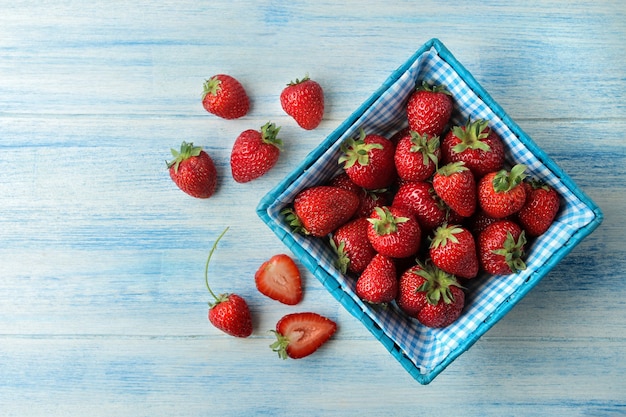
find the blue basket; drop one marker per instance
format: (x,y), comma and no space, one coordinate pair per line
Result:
(422,351)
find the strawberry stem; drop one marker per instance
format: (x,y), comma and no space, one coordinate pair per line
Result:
(206,269)
(187,150)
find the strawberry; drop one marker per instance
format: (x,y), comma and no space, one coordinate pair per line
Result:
(229,312)
(429,109)
(502,193)
(479,221)
(304,101)
(353,248)
(501,248)
(420,199)
(300,334)
(416,156)
(431,295)
(454,183)
(453,249)
(368,199)
(225,97)
(193,171)
(321,209)
(279,279)
(394,232)
(378,284)
(255,152)
(475,144)
(540,208)
(369,161)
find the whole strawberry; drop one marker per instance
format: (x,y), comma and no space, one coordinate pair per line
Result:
(475,144)
(420,199)
(416,156)
(255,152)
(454,183)
(193,171)
(429,109)
(501,248)
(353,248)
(540,208)
(321,209)
(431,295)
(304,101)
(502,193)
(394,232)
(453,249)
(369,161)
(229,312)
(378,284)
(368,198)
(225,97)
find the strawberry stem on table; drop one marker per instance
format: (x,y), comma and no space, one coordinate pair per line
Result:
(221,297)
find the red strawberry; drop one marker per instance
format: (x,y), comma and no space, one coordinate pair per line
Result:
(353,248)
(368,199)
(300,334)
(417,156)
(454,183)
(431,295)
(502,193)
(501,248)
(420,199)
(475,144)
(193,171)
(225,97)
(378,284)
(479,222)
(394,232)
(453,249)
(229,312)
(255,152)
(321,209)
(541,206)
(279,279)
(304,101)
(429,109)
(369,161)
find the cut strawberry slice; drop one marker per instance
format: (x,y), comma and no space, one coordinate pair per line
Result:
(279,279)
(301,334)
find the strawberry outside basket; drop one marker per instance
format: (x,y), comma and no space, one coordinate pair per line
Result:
(422,351)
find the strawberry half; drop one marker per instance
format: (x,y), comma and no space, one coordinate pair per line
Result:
(255,152)
(300,334)
(304,101)
(225,97)
(279,279)
(193,171)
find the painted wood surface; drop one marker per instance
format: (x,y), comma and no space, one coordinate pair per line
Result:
(102,300)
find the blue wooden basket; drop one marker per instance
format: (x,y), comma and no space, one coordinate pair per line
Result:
(422,351)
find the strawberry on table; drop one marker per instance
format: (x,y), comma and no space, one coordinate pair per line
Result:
(378,284)
(429,109)
(353,248)
(229,312)
(453,249)
(225,97)
(255,152)
(300,334)
(321,209)
(279,279)
(369,161)
(416,156)
(394,232)
(193,171)
(454,183)
(304,101)
(502,193)
(540,208)
(501,248)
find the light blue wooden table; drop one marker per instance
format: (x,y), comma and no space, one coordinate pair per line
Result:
(102,300)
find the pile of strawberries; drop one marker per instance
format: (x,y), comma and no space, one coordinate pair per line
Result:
(414,215)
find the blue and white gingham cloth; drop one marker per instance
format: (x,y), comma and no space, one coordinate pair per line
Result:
(428,348)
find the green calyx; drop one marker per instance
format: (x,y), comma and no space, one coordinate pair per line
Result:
(218,298)
(505,181)
(427,146)
(297,81)
(437,283)
(357,151)
(211,86)
(343,260)
(386,223)
(513,251)
(294,221)
(187,150)
(472,136)
(433,89)
(452,168)
(445,234)
(280,345)
(269,135)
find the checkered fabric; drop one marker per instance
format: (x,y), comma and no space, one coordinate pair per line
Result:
(422,351)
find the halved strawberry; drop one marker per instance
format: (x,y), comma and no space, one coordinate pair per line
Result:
(279,279)
(300,334)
